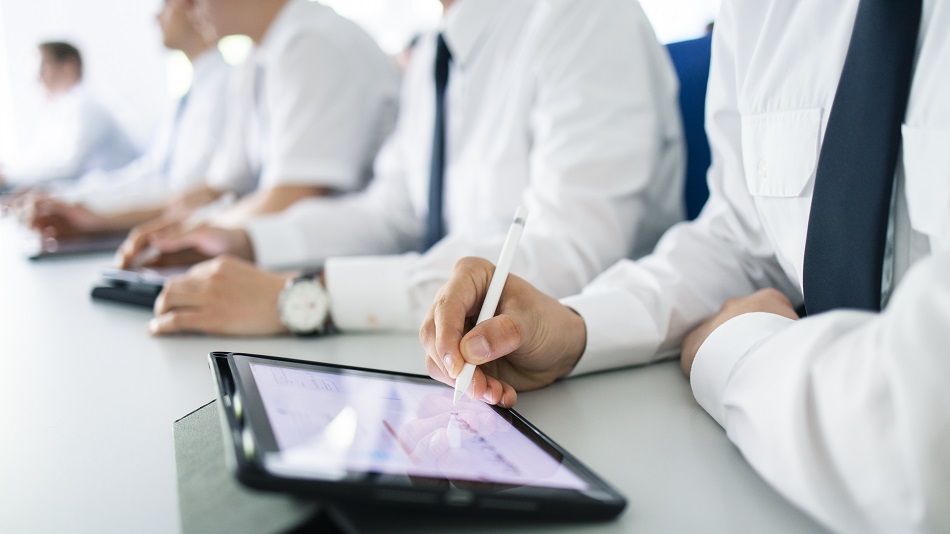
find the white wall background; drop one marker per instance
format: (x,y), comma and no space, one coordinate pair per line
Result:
(128,68)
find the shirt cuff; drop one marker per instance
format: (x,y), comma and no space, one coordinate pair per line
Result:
(277,244)
(370,293)
(617,325)
(721,352)
(335,176)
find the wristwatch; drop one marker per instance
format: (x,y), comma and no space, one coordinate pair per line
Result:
(304,305)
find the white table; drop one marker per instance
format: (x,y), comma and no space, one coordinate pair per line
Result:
(87,401)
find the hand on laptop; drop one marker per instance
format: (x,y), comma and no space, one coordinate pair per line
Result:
(56,218)
(171,234)
(531,342)
(223,296)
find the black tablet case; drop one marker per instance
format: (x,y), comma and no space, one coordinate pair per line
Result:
(211,500)
(145,299)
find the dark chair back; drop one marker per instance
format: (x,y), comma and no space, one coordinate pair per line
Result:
(691,60)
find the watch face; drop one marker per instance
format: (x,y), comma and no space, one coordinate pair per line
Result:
(304,306)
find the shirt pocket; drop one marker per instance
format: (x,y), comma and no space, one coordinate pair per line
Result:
(780,151)
(779,156)
(926,160)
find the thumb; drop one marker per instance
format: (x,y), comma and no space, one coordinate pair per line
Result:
(174,239)
(492,339)
(208,240)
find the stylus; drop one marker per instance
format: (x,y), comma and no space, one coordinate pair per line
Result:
(495,286)
(196,219)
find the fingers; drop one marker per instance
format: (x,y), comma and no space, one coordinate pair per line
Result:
(133,245)
(437,372)
(449,318)
(178,321)
(458,300)
(484,388)
(139,240)
(175,238)
(179,292)
(491,390)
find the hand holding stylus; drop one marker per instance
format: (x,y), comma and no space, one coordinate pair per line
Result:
(531,342)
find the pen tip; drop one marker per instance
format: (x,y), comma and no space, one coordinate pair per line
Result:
(521,214)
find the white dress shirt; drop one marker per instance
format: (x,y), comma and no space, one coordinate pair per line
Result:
(74,134)
(178,158)
(846,413)
(567,107)
(316,100)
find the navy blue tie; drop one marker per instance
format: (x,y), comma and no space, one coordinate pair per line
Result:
(435,225)
(847,227)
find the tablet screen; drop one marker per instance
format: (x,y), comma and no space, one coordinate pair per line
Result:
(328,425)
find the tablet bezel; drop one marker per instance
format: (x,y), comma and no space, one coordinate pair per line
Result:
(249,436)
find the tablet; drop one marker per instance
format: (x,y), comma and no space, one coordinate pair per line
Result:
(39,247)
(346,434)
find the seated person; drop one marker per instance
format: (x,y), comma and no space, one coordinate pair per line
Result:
(493,115)
(845,411)
(177,161)
(74,133)
(317,98)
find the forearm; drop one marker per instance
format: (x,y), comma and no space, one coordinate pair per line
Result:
(376,221)
(268,201)
(845,413)
(638,312)
(192,199)
(126,220)
(553,255)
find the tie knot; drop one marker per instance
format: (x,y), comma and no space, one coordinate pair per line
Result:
(442,52)
(443,56)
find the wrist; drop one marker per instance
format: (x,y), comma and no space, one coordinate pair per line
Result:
(240,244)
(575,343)
(303,305)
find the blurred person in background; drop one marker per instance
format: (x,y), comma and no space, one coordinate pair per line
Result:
(176,161)
(566,107)
(317,98)
(74,133)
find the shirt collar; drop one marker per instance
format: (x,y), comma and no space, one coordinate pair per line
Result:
(466,24)
(283,22)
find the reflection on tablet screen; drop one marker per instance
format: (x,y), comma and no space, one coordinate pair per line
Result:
(327,425)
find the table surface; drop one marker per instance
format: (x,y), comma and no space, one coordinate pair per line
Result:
(88,398)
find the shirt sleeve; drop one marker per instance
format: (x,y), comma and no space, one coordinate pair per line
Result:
(83,127)
(845,413)
(378,220)
(230,168)
(638,312)
(329,108)
(599,135)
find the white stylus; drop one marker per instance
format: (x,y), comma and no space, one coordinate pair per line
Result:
(493,295)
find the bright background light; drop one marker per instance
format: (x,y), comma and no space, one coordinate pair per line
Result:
(128,68)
